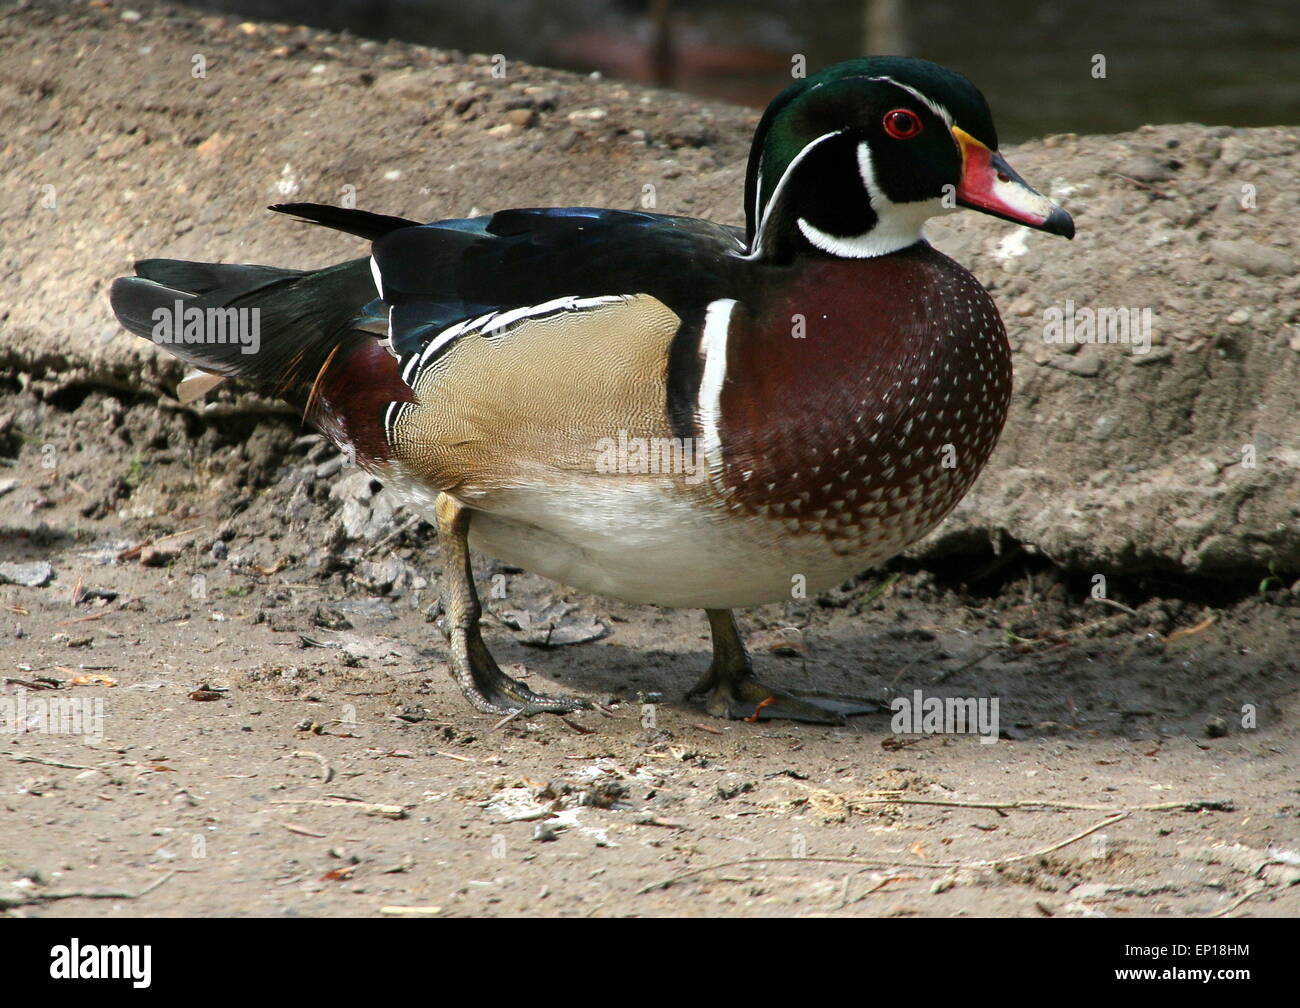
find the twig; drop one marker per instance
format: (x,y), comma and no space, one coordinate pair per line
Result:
(507,719)
(302,831)
(177,535)
(28,758)
(1110,820)
(1194,805)
(369,808)
(1235,904)
(8,902)
(326,772)
(1143,185)
(456,756)
(945,676)
(80,619)
(1111,602)
(392,536)
(29,685)
(410,911)
(1182,632)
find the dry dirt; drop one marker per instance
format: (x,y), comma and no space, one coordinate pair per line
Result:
(280,736)
(321,658)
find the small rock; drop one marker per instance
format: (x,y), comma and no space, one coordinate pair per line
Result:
(389,575)
(365,609)
(1156,355)
(543,97)
(1145,169)
(330,466)
(30,575)
(158,556)
(521,117)
(1216,728)
(1104,426)
(1086,364)
(1254,258)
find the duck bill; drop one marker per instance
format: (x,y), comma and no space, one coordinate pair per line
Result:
(990,185)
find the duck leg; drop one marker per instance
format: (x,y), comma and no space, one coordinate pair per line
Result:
(731,690)
(472,665)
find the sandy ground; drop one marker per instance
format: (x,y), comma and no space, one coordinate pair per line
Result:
(280,736)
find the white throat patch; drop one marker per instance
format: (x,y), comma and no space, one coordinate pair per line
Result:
(898,225)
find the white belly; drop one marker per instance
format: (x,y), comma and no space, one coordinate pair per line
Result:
(637,542)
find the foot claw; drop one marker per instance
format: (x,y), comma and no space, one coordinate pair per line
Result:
(515,700)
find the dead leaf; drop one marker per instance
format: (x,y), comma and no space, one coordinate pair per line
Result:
(93,679)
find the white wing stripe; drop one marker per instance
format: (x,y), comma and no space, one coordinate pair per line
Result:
(494,324)
(713,348)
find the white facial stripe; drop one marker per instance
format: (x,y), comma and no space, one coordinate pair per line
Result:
(379,280)
(713,348)
(898,225)
(929,103)
(780,187)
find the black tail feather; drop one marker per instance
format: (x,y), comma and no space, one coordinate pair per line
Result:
(362,223)
(204,278)
(272,328)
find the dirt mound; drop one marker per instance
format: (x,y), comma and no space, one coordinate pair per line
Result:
(1183,457)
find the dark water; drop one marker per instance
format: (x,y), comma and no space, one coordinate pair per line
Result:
(1233,62)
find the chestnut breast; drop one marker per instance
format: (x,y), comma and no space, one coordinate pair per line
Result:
(863,397)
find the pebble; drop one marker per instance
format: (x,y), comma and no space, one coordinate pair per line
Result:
(1254,258)
(1086,364)
(1145,169)
(543,97)
(1104,426)
(158,556)
(30,575)
(367,608)
(330,466)
(1155,355)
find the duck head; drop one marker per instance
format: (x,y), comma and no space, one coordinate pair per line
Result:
(852,161)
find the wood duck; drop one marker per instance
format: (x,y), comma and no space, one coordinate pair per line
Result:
(657,408)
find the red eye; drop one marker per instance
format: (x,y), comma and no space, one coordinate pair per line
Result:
(902,124)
